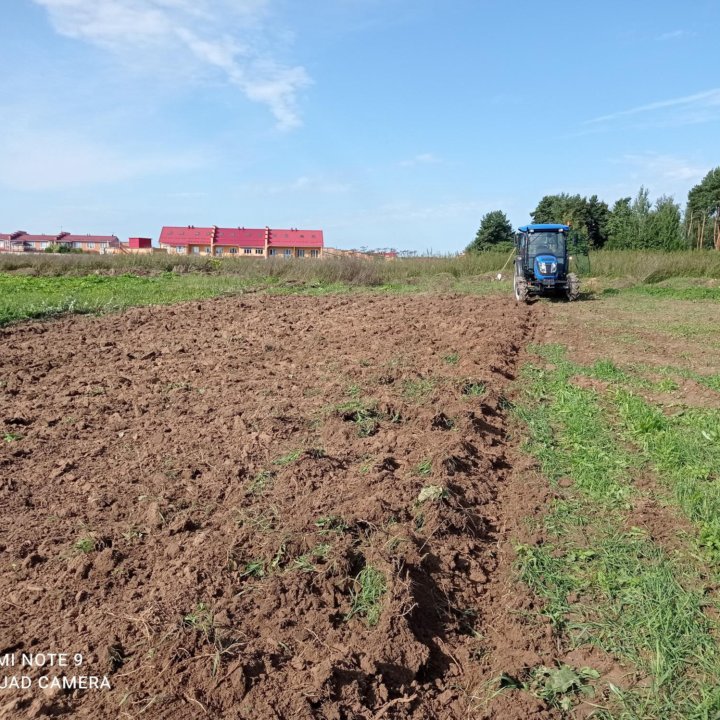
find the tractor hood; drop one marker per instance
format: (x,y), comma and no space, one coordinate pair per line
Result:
(545,266)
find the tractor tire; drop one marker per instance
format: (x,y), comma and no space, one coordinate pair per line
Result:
(520,289)
(573,287)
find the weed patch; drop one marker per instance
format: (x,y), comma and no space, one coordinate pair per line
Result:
(370,586)
(602,584)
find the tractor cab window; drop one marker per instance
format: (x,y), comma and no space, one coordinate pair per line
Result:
(551,243)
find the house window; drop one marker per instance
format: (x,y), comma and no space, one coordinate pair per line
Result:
(218,251)
(91,246)
(207,250)
(247,251)
(196,250)
(103,246)
(77,245)
(43,245)
(273,251)
(258,251)
(301,253)
(314,253)
(180,249)
(288,252)
(233,251)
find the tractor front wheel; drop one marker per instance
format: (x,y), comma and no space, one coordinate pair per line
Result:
(573,287)
(520,288)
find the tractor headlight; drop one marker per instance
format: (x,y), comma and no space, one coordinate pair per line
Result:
(547,268)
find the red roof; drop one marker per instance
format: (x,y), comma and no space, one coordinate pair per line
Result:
(296,238)
(241,237)
(38,238)
(186,235)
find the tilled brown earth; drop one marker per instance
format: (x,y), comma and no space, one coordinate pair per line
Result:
(267,507)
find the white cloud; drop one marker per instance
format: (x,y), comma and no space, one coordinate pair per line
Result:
(667,167)
(663,174)
(675,35)
(301,184)
(47,160)
(421,159)
(224,35)
(694,108)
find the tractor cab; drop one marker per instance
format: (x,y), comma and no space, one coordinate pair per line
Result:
(541,263)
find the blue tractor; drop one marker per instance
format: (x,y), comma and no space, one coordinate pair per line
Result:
(542,263)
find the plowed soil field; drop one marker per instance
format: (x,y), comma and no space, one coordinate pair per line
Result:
(266,507)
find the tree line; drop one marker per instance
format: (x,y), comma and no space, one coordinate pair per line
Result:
(631,224)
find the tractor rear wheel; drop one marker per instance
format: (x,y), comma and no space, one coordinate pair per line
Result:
(520,288)
(573,287)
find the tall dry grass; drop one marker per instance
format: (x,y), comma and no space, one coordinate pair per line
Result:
(641,266)
(650,267)
(351,270)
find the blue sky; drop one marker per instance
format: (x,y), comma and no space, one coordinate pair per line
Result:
(387,123)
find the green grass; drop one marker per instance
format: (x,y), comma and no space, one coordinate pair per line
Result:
(641,265)
(603,582)
(254,569)
(675,293)
(418,389)
(370,586)
(363,413)
(85,545)
(683,449)
(652,266)
(473,389)
(201,619)
(261,482)
(709,381)
(32,297)
(289,458)
(46,285)
(24,298)
(330,524)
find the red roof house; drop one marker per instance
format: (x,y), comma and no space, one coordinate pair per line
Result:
(22,241)
(253,242)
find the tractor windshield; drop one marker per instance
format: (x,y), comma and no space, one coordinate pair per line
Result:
(551,243)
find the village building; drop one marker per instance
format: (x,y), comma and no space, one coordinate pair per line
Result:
(242,242)
(22,241)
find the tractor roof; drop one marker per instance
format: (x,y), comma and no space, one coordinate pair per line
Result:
(544,226)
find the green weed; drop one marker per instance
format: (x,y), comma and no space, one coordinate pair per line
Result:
(370,586)
(254,569)
(85,545)
(418,389)
(201,619)
(559,687)
(261,482)
(601,583)
(288,459)
(473,389)
(331,524)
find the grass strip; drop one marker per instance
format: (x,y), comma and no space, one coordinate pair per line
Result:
(606,584)
(684,451)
